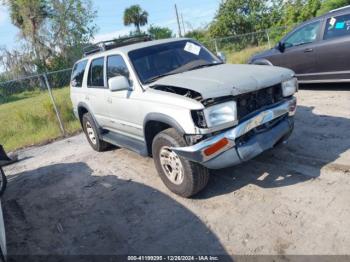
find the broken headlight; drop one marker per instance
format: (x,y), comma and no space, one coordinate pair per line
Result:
(224,113)
(289,87)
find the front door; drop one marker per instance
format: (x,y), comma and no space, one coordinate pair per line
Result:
(299,54)
(123,113)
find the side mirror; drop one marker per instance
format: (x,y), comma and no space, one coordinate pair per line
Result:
(222,56)
(281,46)
(118,83)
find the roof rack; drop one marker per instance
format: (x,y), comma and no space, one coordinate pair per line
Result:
(338,9)
(114,43)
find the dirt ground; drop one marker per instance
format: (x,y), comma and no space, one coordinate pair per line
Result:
(64,198)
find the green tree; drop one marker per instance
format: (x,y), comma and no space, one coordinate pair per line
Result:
(297,11)
(52,29)
(136,16)
(200,35)
(29,16)
(241,16)
(328,5)
(158,32)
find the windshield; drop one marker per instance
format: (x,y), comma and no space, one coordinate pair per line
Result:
(156,61)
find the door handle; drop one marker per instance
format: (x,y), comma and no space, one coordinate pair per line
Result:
(87,97)
(109,100)
(308,50)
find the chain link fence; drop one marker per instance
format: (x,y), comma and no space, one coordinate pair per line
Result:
(38,108)
(239,48)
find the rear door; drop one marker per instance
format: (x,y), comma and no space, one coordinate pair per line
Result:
(97,91)
(299,52)
(77,91)
(333,52)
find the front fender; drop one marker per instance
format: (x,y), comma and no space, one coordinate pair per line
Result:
(164,119)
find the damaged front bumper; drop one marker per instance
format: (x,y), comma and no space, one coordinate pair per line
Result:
(245,141)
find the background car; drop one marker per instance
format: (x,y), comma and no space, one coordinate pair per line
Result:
(317,50)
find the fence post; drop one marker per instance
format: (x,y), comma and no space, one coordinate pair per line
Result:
(216,46)
(268,38)
(54,105)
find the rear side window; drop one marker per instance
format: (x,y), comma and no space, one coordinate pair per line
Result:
(338,26)
(96,73)
(116,67)
(78,74)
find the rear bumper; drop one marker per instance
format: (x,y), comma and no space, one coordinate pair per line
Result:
(247,140)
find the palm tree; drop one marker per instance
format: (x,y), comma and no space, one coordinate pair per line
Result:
(135,15)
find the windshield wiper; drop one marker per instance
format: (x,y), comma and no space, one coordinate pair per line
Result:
(204,65)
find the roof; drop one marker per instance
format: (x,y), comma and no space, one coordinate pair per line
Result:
(345,9)
(126,49)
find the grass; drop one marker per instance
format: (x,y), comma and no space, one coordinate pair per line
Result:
(241,57)
(30,118)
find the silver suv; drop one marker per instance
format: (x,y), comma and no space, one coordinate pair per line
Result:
(176,101)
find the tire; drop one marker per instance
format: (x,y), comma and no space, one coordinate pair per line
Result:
(190,177)
(91,130)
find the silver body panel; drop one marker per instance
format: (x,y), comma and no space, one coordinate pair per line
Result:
(125,112)
(227,79)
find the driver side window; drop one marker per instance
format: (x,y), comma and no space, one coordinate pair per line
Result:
(305,35)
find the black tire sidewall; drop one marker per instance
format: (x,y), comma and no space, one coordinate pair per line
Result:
(188,187)
(88,118)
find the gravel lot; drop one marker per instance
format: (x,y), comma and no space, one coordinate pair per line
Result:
(64,198)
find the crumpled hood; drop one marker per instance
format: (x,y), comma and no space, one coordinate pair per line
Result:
(227,79)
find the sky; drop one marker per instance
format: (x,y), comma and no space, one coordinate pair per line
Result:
(196,13)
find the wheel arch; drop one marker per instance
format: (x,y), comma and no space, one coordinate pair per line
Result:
(83,108)
(154,123)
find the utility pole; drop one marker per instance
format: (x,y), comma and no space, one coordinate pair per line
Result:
(178,21)
(183,24)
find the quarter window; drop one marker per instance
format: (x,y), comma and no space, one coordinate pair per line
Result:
(96,73)
(116,67)
(305,35)
(78,74)
(338,26)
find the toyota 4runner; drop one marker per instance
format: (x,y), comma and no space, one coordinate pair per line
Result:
(177,102)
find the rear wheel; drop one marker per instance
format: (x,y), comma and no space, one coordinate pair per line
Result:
(181,176)
(92,135)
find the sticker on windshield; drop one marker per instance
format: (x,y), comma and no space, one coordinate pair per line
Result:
(332,21)
(192,48)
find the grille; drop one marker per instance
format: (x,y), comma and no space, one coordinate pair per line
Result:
(250,102)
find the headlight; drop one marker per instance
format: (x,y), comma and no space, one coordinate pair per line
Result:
(221,114)
(289,87)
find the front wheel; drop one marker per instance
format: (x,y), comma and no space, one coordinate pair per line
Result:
(181,176)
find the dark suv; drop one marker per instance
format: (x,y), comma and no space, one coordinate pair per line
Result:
(317,50)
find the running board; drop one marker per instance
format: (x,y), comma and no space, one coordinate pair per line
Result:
(125,142)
